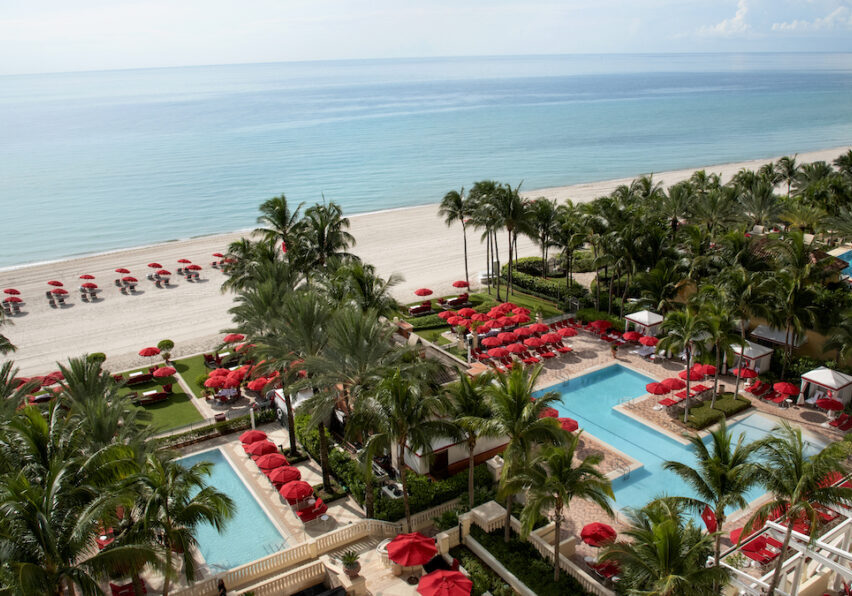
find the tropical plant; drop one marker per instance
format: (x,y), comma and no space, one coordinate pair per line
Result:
(455,207)
(326,233)
(723,332)
(543,217)
(685,332)
(788,171)
(279,223)
(840,337)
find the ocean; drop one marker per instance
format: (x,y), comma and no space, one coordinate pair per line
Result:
(97,161)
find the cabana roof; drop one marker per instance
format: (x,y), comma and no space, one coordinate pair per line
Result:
(752,350)
(827,378)
(646,318)
(776,336)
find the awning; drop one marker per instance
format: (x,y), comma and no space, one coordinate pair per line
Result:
(825,377)
(776,336)
(646,318)
(752,350)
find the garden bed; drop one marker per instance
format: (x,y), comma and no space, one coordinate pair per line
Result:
(702,415)
(483,577)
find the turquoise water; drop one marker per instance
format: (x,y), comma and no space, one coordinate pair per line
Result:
(249,534)
(590,399)
(847,256)
(96,161)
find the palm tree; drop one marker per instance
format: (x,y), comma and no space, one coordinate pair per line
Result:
(844,164)
(788,170)
(518,417)
(721,328)
(795,480)
(358,283)
(325,232)
(555,479)
(760,203)
(485,217)
(796,311)
(280,224)
(6,346)
(685,332)
(455,207)
(840,337)
(12,393)
(713,210)
(665,554)
(720,477)
(513,214)
(660,286)
(543,219)
(677,204)
(569,236)
(174,500)
(469,409)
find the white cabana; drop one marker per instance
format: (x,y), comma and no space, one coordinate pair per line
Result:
(754,356)
(824,382)
(644,321)
(776,336)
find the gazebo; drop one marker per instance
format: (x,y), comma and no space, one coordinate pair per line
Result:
(824,382)
(776,336)
(754,356)
(644,321)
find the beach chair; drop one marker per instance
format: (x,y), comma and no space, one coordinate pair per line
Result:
(528,358)
(16,307)
(839,420)
(311,513)
(546,354)
(668,402)
(846,426)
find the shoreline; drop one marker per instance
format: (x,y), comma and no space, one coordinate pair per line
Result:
(411,241)
(578,192)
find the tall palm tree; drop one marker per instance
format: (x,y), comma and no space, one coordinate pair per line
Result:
(511,210)
(844,163)
(13,393)
(714,210)
(720,477)
(796,311)
(568,236)
(665,554)
(518,417)
(760,204)
(471,412)
(659,287)
(685,332)
(358,283)
(722,333)
(174,500)
(279,223)
(455,207)
(795,480)
(543,219)
(554,479)
(486,218)
(788,170)
(840,337)
(326,233)
(677,204)
(6,346)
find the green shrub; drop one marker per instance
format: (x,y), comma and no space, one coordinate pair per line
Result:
(98,357)
(587,315)
(729,405)
(166,345)
(702,416)
(548,289)
(200,379)
(217,429)
(530,266)
(447,520)
(483,577)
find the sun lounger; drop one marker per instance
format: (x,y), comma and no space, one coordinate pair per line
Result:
(605,569)
(846,426)
(699,389)
(528,358)
(839,420)
(461,300)
(668,402)
(420,310)
(311,513)
(138,378)
(544,353)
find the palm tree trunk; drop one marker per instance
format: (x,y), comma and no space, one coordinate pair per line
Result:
(507,524)
(291,425)
(788,352)
(720,521)
(471,463)
(464,233)
(168,573)
(624,294)
(497,258)
(688,367)
(323,447)
(488,259)
(369,495)
(400,462)
(597,278)
(716,378)
(509,271)
(615,273)
(557,528)
(776,576)
(136,580)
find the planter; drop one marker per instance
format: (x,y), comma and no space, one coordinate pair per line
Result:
(352,571)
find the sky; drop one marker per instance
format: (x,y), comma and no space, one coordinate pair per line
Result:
(63,35)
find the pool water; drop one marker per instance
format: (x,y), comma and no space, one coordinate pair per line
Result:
(847,256)
(590,400)
(249,534)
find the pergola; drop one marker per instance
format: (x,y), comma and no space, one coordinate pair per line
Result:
(825,382)
(776,336)
(644,321)
(754,356)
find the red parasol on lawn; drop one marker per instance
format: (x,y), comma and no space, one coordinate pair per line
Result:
(674,383)
(87,276)
(455,320)
(601,324)
(523,332)
(155,266)
(259,448)
(551,338)
(786,388)
(520,310)
(165,371)
(534,342)
(11,292)
(597,534)
(460,284)
(549,413)
(693,375)
(566,332)
(539,328)
(830,404)
(215,382)
(491,342)
(187,261)
(149,352)
(233,338)
(129,279)
(631,335)
(744,373)
(250,436)
(446,314)
(656,388)
(516,348)
(423,292)
(506,321)
(55,283)
(271,461)
(122,270)
(59,291)
(479,317)
(283,475)
(445,583)
(521,318)
(295,490)
(649,340)
(507,306)
(89,285)
(14,299)
(568,424)
(467,312)
(506,337)
(220,372)
(498,352)
(412,549)
(257,384)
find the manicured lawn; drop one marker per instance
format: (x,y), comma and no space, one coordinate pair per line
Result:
(176,411)
(189,369)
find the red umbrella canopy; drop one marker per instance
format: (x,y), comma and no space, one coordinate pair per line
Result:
(423,292)
(89,285)
(495,312)
(597,534)
(507,306)
(55,283)
(706,369)
(786,388)
(233,338)
(445,583)
(648,340)
(257,384)
(218,255)
(87,276)
(534,342)
(460,284)
(520,310)
(122,270)
(164,371)
(412,549)
(295,490)
(491,342)
(194,267)
(539,328)
(744,373)
(693,374)
(507,337)
(601,324)
(272,461)
(284,474)
(455,320)
(231,381)
(215,382)
(250,436)
(516,348)
(184,261)
(631,335)
(566,332)
(164,272)
(522,318)
(674,383)
(155,266)
(551,338)
(129,279)
(549,413)
(59,291)
(13,299)
(568,424)
(505,321)
(656,389)
(479,317)
(523,332)
(11,292)
(149,352)
(446,314)
(259,448)
(830,404)
(498,352)
(467,312)
(220,372)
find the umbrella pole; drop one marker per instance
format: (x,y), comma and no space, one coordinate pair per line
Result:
(251,415)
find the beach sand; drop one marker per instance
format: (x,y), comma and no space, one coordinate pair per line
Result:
(412,241)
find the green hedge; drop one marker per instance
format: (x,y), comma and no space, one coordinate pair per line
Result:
(483,577)
(587,315)
(219,428)
(702,416)
(730,405)
(525,562)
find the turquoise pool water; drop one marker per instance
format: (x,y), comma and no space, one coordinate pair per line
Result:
(847,256)
(590,399)
(247,536)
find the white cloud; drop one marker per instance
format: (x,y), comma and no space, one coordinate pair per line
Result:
(736,25)
(839,18)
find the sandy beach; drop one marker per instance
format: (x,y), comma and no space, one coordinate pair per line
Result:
(413,242)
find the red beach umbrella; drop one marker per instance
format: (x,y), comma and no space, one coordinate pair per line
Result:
(520,310)
(55,283)
(164,272)
(218,255)
(568,424)
(271,461)
(467,312)
(495,312)
(295,490)
(539,328)
(283,475)
(455,320)
(220,372)
(656,389)
(187,261)
(830,404)
(523,332)
(445,583)
(597,534)
(423,292)
(215,382)
(506,321)
(479,317)
(193,267)
(257,384)
(498,352)
(13,299)
(534,342)
(549,413)
(706,369)
(232,338)
(155,266)
(149,352)
(11,292)
(122,270)
(251,436)
(521,318)
(674,383)
(507,337)
(89,285)
(87,276)
(129,279)
(631,335)
(744,373)
(516,348)
(693,375)
(164,371)
(59,291)
(446,314)
(551,338)
(601,324)
(460,284)
(260,448)
(491,342)
(412,549)
(566,332)
(786,388)
(507,306)
(649,340)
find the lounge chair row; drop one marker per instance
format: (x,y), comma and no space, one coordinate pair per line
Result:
(842,423)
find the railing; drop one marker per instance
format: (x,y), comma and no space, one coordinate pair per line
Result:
(292,582)
(424,518)
(344,535)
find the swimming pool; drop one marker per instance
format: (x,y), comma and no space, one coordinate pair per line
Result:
(249,534)
(847,256)
(590,400)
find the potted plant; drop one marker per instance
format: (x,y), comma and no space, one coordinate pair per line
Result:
(165,347)
(351,566)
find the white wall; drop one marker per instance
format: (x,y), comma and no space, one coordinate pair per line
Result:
(455,454)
